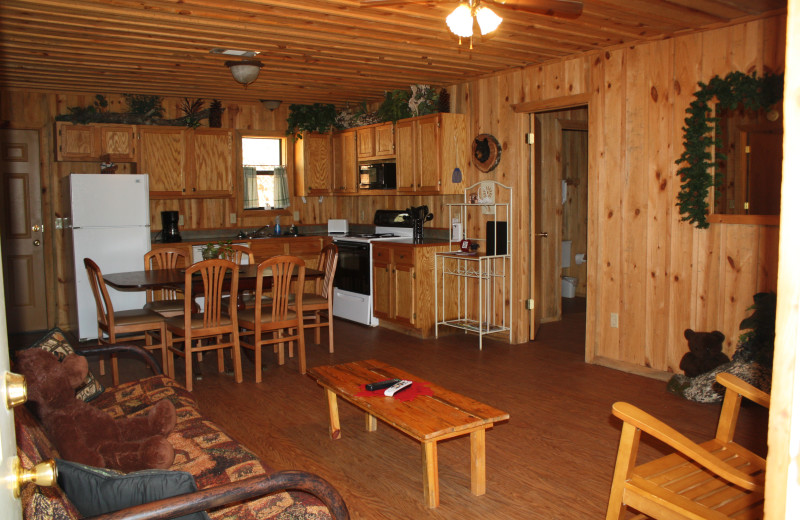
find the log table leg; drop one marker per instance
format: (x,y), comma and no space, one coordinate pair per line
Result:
(333,408)
(371,422)
(430,473)
(477,449)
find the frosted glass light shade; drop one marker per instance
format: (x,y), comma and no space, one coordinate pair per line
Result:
(488,21)
(460,21)
(245,71)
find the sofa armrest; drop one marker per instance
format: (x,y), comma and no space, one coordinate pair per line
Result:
(102,349)
(253,487)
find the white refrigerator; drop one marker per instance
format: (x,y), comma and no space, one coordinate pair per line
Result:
(111,225)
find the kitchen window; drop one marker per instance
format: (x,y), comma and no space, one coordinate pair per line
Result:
(265,184)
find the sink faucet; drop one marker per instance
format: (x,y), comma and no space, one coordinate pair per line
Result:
(262,231)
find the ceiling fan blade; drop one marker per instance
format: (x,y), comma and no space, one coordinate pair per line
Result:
(387,3)
(558,8)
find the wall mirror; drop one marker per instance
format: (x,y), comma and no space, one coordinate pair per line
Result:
(748,170)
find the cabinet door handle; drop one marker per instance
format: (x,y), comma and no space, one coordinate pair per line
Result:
(543,234)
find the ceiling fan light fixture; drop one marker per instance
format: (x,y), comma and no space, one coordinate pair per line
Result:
(488,21)
(460,21)
(244,71)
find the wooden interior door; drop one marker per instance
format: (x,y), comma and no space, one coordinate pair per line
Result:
(536,251)
(22,231)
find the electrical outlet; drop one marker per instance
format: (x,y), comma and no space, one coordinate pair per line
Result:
(614,320)
(233,218)
(180,220)
(296,216)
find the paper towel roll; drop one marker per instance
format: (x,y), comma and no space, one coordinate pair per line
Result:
(580,258)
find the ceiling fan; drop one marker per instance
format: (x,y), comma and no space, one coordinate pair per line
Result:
(463,17)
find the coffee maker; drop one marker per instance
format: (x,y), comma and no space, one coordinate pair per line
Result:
(169,226)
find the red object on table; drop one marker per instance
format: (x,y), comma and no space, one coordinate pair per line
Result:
(407,394)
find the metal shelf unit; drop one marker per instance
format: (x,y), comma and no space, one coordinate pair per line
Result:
(489,313)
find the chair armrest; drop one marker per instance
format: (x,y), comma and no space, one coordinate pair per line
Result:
(743,388)
(668,435)
(102,349)
(253,487)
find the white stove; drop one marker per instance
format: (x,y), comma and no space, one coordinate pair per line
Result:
(352,292)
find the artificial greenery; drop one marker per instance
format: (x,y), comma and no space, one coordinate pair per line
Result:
(395,105)
(737,88)
(319,117)
(193,112)
(217,249)
(757,343)
(424,100)
(148,106)
(83,115)
(215,114)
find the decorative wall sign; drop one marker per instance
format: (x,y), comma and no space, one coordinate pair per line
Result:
(486,152)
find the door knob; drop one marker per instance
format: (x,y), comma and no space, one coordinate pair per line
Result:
(542,234)
(42,474)
(37,243)
(16,390)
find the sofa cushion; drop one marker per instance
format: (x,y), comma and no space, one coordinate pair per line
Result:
(96,491)
(55,342)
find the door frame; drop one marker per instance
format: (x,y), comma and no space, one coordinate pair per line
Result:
(46,188)
(531,109)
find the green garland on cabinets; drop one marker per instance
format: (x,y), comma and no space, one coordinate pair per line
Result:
(737,88)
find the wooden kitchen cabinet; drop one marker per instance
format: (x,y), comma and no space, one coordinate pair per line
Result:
(185,163)
(403,290)
(428,149)
(313,157)
(115,143)
(345,164)
(375,141)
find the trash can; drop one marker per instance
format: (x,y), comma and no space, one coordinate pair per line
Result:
(568,286)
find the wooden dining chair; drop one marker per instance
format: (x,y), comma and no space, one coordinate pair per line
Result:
(276,324)
(166,301)
(717,479)
(128,325)
(206,278)
(237,254)
(319,304)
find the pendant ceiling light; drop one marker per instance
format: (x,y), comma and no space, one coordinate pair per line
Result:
(463,17)
(245,71)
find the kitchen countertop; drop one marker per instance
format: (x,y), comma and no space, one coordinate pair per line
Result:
(432,241)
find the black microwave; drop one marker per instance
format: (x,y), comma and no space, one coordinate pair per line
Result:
(377,176)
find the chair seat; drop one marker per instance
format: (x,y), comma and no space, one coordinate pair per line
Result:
(248,317)
(177,322)
(165,306)
(314,299)
(136,317)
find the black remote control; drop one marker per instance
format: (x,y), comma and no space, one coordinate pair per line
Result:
(380,385)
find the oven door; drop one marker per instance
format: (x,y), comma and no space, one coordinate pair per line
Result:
(353,268)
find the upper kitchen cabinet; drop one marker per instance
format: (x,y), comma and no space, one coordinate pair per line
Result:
(184,163)
(114,143)
(375,141)
(428,149)
(313,157)
(345,165)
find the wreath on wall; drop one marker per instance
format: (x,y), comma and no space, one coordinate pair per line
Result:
(737,88)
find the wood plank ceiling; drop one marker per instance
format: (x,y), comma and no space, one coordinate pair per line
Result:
(333,51)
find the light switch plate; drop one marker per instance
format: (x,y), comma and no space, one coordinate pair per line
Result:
(180,220)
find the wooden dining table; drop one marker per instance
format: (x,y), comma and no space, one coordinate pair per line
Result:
(176,278)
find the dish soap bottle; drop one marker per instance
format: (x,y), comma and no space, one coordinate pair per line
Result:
(278,226)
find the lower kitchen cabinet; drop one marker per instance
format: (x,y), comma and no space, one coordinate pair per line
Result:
(403,290)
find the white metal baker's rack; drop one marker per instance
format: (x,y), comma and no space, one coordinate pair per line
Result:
(492,272)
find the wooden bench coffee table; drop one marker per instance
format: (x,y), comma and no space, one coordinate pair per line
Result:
(428,419)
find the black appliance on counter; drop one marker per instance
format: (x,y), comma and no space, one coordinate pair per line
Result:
(377,176)
(169,226)
(417,216)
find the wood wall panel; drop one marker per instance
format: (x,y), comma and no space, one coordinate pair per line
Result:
(659,273)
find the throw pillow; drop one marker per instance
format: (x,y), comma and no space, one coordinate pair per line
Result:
(54,341)
(97,491)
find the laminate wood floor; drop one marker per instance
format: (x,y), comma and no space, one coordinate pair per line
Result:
(552,460)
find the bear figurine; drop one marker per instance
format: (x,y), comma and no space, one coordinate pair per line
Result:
(85,434)
(705,352)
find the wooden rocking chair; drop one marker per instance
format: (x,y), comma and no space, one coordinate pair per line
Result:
(717,479)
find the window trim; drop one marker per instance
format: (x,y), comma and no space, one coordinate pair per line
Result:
(245,215)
